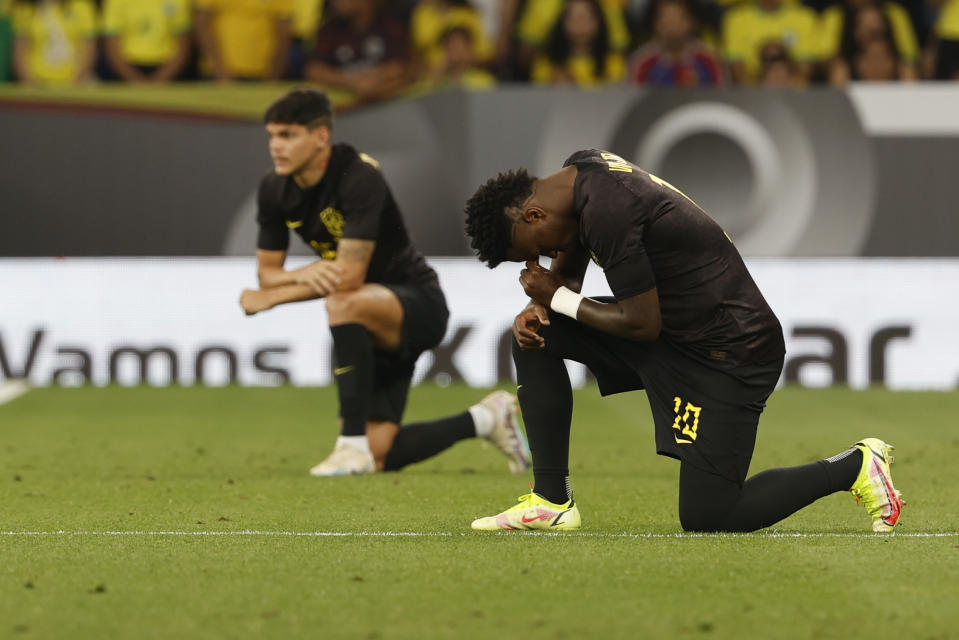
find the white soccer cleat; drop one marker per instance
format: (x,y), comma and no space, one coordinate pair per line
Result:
(507,434)
(345,460)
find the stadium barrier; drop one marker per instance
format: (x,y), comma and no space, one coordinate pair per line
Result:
(868,171)
(859,322)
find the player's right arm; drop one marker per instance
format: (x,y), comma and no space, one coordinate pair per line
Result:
(570,267)
(279,286)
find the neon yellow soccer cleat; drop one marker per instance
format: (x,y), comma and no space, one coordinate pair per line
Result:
(873,488)
(533,513)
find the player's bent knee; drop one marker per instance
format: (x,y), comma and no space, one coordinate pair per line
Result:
(344,307)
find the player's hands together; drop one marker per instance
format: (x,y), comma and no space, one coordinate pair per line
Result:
(539,283)
(323,276)
(254,301)
(526,326)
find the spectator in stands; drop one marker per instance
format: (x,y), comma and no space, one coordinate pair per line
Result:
(458,66)
(307,18)
(748,27)
(943,48)
(878,61)
(675,57)
(146,40)
(506,56)
(837,31)
(55,41)
(361,49)
(578,51)
(537,20)
(860,51)
(6,42)
(777,69)
(432,20)
(244,39)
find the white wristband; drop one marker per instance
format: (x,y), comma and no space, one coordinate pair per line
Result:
(566,301)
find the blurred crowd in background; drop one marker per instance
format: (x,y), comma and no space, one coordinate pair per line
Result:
(375,49)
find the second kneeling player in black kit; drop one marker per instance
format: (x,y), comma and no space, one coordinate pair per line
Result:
(383,301)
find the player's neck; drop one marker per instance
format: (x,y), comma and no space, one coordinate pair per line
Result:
(556,191)
(314,169)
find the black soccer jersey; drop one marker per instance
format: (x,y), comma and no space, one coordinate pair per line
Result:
(352,200)
(645,233)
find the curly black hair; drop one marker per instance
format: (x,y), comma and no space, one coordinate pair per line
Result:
(487,225)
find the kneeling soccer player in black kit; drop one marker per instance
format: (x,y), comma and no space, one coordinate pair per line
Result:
(383,300)
(686,323)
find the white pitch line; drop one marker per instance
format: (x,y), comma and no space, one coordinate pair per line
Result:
(415,534)
(12,389)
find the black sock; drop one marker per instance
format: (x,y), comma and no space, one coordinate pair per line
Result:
(422,440)
(766,498)
(843,469)
(354,375)
(546,399)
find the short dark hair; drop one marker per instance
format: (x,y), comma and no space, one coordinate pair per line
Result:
(303,105)
(487,224)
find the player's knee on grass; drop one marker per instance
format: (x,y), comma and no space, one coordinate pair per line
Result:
(381,434)
(705,499)
(698,522)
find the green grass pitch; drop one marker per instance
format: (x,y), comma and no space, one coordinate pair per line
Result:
(188,513)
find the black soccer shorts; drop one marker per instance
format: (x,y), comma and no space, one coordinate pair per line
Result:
(425,317)
(702,415)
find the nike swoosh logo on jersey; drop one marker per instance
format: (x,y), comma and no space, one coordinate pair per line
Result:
(341,370)
(679,441)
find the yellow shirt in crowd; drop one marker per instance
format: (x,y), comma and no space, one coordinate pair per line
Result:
(245,31)
(148,29)
(307,15)
(747,27)
(903,34)
(539,16)
(429,22)
(947,26)
(57,33)
(581,68)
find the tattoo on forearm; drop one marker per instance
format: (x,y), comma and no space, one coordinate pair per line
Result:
(355,252)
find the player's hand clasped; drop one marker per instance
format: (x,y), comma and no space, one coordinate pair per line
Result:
(323,276)
(539,283)
(526,326)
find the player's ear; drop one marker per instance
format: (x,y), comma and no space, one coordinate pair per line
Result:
(322,135)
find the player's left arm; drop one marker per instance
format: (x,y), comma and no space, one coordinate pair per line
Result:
(279,286)
(363,195)
(635,318)
(353,258)
(570,266)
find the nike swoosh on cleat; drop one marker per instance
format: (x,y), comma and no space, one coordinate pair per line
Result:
(877,454)
(533,519)
(556,520)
